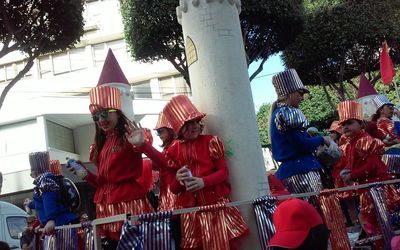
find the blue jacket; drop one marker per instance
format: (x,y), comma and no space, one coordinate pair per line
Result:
(291,144)
(47,200)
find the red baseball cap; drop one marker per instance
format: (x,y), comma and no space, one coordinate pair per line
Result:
(293,220)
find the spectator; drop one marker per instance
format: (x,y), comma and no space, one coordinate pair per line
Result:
(298,226)
(26,239)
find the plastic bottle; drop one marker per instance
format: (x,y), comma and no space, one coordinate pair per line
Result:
(79,169)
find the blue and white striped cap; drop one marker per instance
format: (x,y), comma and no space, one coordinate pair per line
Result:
(287,82)
(381,100)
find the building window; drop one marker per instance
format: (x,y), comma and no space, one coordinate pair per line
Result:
(60,137)
(61,63)
(45,65)
(173,85)
(79,59)
(11,136)
(167,87)
(142,91)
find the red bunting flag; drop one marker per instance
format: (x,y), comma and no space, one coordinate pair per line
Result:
(387,69)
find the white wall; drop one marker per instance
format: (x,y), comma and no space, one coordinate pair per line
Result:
(83,137)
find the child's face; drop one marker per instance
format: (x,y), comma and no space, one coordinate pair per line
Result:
(387,111)
(351,127)
(191,130)
(333,135)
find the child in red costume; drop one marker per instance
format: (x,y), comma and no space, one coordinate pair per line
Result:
(361,161)
(201,180)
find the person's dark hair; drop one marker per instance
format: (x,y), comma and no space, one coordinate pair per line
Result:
(171,137)
(377,114)
(4,246)
(100,136)
(317,239)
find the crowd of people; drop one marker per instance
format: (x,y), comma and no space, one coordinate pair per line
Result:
(193,170)
(351,154)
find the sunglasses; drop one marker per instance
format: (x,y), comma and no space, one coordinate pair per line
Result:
(103,114)
(159,131)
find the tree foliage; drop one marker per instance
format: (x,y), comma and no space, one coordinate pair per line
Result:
(341,39)
(263,123)
(153,32)
(37,27)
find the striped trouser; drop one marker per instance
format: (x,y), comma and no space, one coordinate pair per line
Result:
(304,183)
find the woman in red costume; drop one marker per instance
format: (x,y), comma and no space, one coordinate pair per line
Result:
(383,117)
(118,162)
(201,180)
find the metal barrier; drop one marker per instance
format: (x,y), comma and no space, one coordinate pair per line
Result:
(128,217)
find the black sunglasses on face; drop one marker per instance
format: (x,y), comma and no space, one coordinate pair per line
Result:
(103,114)
(159,131)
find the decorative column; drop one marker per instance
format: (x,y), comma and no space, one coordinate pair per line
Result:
(221,89)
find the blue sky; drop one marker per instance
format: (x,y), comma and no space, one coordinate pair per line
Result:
(261,86)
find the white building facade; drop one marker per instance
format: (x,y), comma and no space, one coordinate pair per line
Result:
(48,108)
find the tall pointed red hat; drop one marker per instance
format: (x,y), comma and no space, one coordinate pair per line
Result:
(111,72)
(365,88)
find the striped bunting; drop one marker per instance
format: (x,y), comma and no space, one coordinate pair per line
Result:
(156,230)
(131,238)
(382,215)
(264,208)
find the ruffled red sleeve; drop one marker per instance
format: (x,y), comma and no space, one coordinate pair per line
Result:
(216,150)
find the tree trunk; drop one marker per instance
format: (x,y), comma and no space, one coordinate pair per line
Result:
(181,69)
(328,97)
(20,74)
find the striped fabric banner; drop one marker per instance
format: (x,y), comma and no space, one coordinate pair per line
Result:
(382,214)
(264,208)
(333,215)
(88,237)
(131,238)
(392,162)
(63,239)
(155,229)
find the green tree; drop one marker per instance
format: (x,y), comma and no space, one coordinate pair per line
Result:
(341,39)
(38,27)
(316,107)
(263,115)
(153,32)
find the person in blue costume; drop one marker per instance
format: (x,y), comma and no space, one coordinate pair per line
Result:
(291,144)
(47,198)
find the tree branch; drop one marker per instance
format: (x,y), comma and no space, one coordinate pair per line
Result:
(183,69)
(11,84)
(259,69)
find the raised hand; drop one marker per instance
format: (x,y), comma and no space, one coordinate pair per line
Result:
(134,133)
